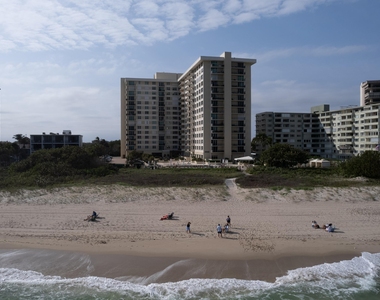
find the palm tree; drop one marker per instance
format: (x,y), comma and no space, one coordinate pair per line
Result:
(21,139)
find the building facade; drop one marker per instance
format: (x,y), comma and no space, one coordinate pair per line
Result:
(370,92)
(300,130)
(150,115)
(206,111)
(337,134)
(351,130)
(54,140)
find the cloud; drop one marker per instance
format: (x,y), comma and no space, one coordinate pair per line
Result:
(39,25)
(309,51)
(212,20)
(58,93)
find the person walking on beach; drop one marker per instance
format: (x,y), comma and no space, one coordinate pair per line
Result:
(219,230)
(188,227)
(228,221)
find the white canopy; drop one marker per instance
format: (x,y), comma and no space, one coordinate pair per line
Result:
(320,163)
(244,158)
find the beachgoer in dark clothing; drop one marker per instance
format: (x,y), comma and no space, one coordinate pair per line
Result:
(228,221)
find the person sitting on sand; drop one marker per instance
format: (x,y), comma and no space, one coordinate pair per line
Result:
(325,226)
(315,225)
(226,228)
(330,228)
(91,217)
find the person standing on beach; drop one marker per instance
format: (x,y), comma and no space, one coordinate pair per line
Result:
(188,227)
(228,221)
(219,230)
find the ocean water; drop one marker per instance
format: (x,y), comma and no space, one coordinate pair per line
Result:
(26,274)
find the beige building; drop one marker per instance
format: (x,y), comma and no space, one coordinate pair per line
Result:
(205,112)
(150,115)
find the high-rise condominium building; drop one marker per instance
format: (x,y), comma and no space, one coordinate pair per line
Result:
(336,134)
(370,92)
(204,112)
(150,115)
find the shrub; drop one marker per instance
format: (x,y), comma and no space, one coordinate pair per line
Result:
(51,166)
(283,156)
(366,165)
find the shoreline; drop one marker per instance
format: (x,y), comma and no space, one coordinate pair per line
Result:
(149,268)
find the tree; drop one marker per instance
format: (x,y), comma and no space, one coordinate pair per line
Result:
(21,139)
(366,165)
(133,155)
(261,139)
(8,153)
(109,147)
(22,151)
(283,156)
(114,148)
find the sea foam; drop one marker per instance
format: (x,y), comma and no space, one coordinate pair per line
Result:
(340,280)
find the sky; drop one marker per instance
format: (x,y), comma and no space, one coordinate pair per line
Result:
(61,60)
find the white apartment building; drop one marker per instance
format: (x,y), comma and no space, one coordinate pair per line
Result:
(205,112)
(337,134)
(369,92)
(351,130)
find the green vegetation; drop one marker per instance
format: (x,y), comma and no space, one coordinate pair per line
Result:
(82,166)
(283,156)
(366,165)
(107,147)
(74,166)
(136,155)
(300,178)
(55,166)
(261,139)
(194,177)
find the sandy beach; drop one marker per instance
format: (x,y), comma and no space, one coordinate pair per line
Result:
(271,229)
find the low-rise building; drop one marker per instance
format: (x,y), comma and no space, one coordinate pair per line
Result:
(54,140)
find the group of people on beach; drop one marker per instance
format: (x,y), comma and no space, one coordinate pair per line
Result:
(219,228)
(225,229)
(328,227)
